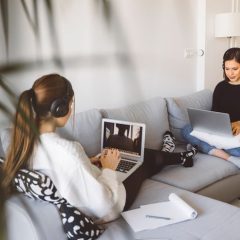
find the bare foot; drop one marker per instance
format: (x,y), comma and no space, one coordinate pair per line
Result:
(220,153)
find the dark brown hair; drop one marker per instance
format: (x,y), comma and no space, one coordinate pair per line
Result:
(230,54)
(33,106)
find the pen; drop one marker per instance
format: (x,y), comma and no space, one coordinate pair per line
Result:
(158,217)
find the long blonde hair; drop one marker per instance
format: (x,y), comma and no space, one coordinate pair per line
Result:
(33,106)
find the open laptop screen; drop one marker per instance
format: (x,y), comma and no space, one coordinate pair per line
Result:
(126,137)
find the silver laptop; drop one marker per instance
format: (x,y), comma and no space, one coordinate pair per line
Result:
(213,128)
(216,123)
(129,139)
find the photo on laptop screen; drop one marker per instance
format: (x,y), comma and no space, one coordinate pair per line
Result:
(127,137)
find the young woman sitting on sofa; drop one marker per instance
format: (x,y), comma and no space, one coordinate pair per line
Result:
(226,96)
(96,192)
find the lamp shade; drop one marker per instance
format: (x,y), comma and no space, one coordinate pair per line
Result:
(227,25)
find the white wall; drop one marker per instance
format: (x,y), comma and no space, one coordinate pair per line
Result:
(215,47)
(153,32)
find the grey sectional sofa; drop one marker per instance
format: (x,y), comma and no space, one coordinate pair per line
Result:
(209,185)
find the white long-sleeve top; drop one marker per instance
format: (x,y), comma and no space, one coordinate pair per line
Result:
(96,192)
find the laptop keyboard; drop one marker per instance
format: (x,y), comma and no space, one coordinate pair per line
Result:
(124,166)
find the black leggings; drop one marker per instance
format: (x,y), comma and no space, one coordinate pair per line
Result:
(154,161)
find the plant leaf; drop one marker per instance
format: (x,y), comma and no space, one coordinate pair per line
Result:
(35,10)
(107,11)
(53,32)
(5,110)
(8,91)
(31,22)
(4,13)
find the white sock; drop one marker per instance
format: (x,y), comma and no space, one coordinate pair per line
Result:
(234,160)
(211,151)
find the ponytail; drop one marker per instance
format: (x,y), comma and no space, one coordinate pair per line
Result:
(34,106)
(24,136)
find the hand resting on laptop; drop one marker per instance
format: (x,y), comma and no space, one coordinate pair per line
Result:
(109,158)
(236,127)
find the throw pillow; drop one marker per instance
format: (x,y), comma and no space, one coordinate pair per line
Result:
(39,186)
(177,109)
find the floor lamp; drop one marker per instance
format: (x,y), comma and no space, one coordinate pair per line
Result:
(228,25)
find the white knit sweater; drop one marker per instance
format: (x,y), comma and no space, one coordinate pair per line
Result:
(96,192)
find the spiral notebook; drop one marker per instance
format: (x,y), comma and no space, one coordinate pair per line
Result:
(160,214)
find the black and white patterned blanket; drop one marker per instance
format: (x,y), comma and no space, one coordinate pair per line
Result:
(39,186)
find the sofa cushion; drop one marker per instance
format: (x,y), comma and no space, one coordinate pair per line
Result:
(206,170)
(177,109)
(212,217)
(85,127)
(152,112)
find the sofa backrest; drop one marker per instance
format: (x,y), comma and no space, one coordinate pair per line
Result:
(177,109)
(85,127)
(152,112)
(158,114)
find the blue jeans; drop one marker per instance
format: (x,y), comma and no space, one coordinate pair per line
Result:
(203,146)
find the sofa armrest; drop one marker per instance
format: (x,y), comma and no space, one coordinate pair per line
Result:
(32,220)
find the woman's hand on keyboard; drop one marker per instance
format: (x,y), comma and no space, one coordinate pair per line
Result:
(110,158)
(96,160)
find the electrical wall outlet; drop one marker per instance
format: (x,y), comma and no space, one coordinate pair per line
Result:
(192,52)
(189,52)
